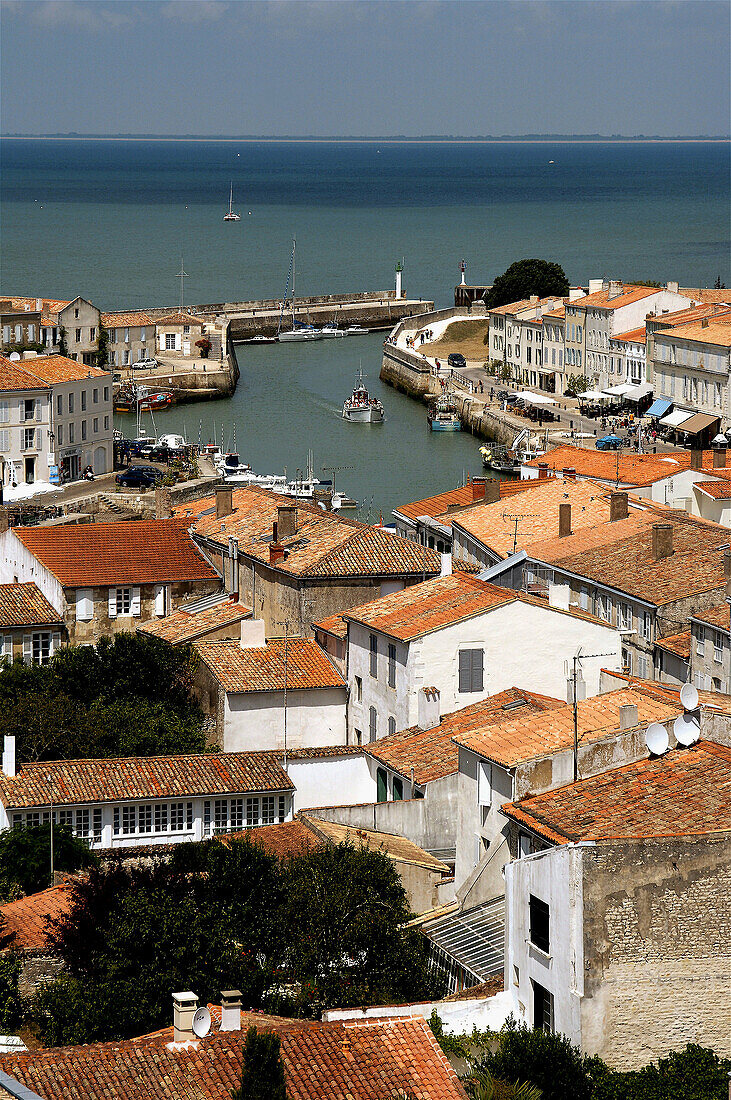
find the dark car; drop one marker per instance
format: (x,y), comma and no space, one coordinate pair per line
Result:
(456,359)
(139,477)
(165,454)
(609,443)
(503,395)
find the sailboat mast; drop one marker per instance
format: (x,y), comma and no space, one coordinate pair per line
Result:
(294,273)
(286,291)
(231,199)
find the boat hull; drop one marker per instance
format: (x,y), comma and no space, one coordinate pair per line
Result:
(446,425)
(363,416)
(298,337)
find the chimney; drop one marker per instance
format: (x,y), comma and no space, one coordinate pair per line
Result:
(429,715)
(615,289)
(479,486)
(569,473)
(276,553)
(491,491)
(719,458)
(696,458)
(253,635)
(230,1010)
(534,299)
(618,506)
(628,716)
(224,501)
(704,322)
(673,288)
(9,756)
(564,520)
(542,470)
(163,502)
(662,540)
(286,521)
(39,305)
(184,1009)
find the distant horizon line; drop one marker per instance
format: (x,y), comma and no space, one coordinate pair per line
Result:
(72,135)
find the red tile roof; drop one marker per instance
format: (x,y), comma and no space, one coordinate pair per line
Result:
(433,753)
(352,1060)
(262,669)
(714,330)
(678,644)
(333,624)
(24,923)
(718,490)
(324,544)
(719,616)
(129,318)
(712,700)
(634,336)
(441,505)
(605,466)
(135,777)
(290,838)
(179,318)
(627,296)
(393,846)
(143,552)
(14,377)
(185,626)
(52,369)
(25,605)
(534,735)
(686,792)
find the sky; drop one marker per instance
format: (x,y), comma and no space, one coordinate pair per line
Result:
(357,68)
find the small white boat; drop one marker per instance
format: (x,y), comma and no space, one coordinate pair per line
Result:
(329,332)
(360,407)
(356,330)
(231,216)
(262,340)
(300,334)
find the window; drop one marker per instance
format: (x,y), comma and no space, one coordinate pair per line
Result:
(539,924)
(5,440)
(41,647)
(237,813)
(71,433)
(83,400)
(471,670)
(4,412)
(29,439)
(398,789)
(95,425)
(381,785)
(97,825)
(169,341)
(106,423)
(281,808)
(252,811)
(177,817)
(71,403)
(78,336)
(161,818)
(605,608)
(95,396)
(625,616)
(267,810)
(717,645)
(125,357)
(484,783)
(391,726)
(392,666)
(126,336)
(359,737)
(374,656)
(106,393)
(129,819)
(700,644)
(81,827)
(542,1008)
(372,723)
(84,604)
(59,434)
(186,330)
(83,429)
(29,409)
(358,689)
(647,626)
(124,601)
(144,819)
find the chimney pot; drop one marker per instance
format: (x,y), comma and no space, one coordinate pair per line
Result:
(564,520)
(286,521)
(704,322)
(696,458)
(429,709)
(570,473)
(9,756)
(276,553)
(491,491)
(618,506)
(184,1009)
(253,634)
(542,470)
(164,502)
(719,457)
(230,1010)
(479,485)
(628,716)
(224,501)
(662,540)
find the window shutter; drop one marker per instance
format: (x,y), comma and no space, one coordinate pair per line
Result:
(84,604)
(27,649)
(6,646)
(136,602)
(160,599)
(465,665)
(55,641)
(477,669)
(38,408)
(484,786)
(112,603)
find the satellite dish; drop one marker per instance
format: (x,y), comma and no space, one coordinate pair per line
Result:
(201,1022)
(689,696)
(656,739)
(687,729)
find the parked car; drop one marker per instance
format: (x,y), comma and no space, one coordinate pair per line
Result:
(162,453)
(456,359)
(139,477)
(144,364)
(609,443)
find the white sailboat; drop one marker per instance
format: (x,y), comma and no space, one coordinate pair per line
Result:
(231,216)
(299,331)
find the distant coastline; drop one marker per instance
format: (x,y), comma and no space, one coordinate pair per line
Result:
(527,139)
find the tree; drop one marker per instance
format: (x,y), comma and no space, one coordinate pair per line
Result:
(576,385)
(25,857)
(262,1071)
(101,357)
(695,1073)
(525,278)
(343,916)
(205,345)
(547,1060)
(11,1009)
(63,348)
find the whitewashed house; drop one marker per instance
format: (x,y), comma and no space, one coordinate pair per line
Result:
(466,637)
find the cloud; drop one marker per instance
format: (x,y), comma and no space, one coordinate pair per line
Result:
(85,16)
(194,11)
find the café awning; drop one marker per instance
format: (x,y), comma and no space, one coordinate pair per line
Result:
(676,418)
(593,395)
(699,422)
(659,407)
(636,393)
(535,398)
(617,391)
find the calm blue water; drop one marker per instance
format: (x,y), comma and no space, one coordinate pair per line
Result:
(111,220)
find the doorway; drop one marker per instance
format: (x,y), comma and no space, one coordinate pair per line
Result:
(30,469)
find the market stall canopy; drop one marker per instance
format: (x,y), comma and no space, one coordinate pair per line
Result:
(699,422)
(617,391)
(659,407)
(636,393)
(676,418)
(535,398)
(593,395)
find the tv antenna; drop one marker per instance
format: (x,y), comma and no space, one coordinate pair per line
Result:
(577,659)
(286,624)
(516,518)
(182,274)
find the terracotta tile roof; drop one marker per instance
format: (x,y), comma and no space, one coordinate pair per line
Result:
(439,506)
(706,294)
(715,330)
(25,605)
(712,700)
(512,307)
(395,847)
(245,670)
(685,792)
(634,336)
(679,644)
(433,753)
(683,316)
(134,777)
(333,624)
(460,566)
(14,376)
(535,735)
(431,605)
(604,466)
(24,923)
(50,307)
(627,563)
(324,544)
(556,314)
(494,524)
(129,318)
(53,369)
(291,838)
(718,490)
(719,616)
(185,626)
(493,985)
(351,1060)
(144,552)
(629,294)
(179,318)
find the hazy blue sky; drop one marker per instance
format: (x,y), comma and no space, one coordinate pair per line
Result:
(390,67)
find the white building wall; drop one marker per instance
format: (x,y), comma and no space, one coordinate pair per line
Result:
(331,781)
(13,427)
(554,876)
(18,565)
(254,721)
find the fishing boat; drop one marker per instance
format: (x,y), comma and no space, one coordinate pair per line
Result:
(231,216)
(159,399)
(299,331)
(443,416)
(360,407)
(508,460)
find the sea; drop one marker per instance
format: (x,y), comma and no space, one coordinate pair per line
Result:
(116,220)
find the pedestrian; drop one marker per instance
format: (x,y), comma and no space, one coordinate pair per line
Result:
(492,391)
